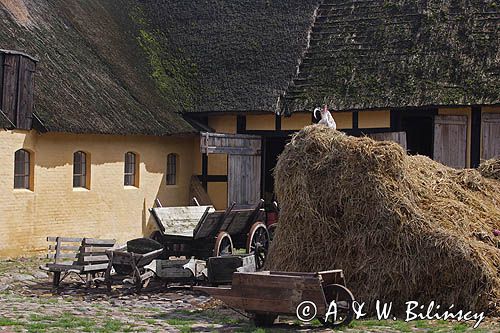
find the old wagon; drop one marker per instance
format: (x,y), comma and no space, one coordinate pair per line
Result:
(266,294)
(203,232)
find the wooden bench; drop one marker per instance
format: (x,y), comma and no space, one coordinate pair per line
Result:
(85,257)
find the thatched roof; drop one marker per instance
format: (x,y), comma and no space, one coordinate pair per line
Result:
(93,76)
(399,53)
(239,55)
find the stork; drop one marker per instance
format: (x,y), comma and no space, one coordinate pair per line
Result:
(326,117)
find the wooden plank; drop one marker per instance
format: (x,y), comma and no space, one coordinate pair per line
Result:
(180,221)
(26,88)
(450,140)
(95,249)
(95,258)
(62,255)
(64,248)
(99,242)
(197,191)
(98,267)
(65,239)
(10,81)
(398,137)
(490,135)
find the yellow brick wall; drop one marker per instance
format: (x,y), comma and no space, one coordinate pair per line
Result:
(108,209)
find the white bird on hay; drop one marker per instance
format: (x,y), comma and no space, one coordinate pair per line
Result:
(326,117)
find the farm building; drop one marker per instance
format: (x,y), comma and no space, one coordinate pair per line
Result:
(107,106)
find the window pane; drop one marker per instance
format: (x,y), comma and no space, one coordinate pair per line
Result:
(79,169)
(22,169)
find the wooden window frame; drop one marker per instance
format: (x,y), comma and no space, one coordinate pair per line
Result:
(23,174)
(81,179)
(172,168)
(131,174)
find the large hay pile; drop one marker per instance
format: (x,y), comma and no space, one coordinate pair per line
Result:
(401,227)
(490,168)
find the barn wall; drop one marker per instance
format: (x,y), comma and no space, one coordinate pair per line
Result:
(374,119)
(261,122)
(296,121)
(108,209)
(343,120)
(461,111)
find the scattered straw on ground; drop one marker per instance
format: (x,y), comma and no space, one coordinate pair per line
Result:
(490,168)
(401,227)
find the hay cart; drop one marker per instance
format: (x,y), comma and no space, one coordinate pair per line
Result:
(203,232)
(265,295)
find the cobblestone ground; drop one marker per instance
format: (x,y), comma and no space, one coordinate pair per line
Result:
(27,304)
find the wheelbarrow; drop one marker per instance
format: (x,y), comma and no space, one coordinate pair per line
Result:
(267,294)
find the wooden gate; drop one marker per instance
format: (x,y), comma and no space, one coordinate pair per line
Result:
(244,164)
(450,140)
(490,135)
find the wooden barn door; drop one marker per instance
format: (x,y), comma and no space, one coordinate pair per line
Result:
(243,179)
(490,135)
(244,164)
(450,140)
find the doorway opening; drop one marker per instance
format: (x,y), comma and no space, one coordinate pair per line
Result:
(419,128)
(273,147)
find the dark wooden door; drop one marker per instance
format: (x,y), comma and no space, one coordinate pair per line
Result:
(450,140)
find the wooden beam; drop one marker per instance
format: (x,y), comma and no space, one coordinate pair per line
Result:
(475,141)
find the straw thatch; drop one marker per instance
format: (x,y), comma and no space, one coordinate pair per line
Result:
(490,168)
(401,227)
(394,53)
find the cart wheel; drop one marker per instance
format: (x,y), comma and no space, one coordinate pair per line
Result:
(223,244)
(258,243)
(264,320)
(344,299)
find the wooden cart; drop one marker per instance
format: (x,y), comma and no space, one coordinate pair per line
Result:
(203,232)
(265,295)
(129,261)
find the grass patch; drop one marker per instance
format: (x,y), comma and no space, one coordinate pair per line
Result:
(8,322)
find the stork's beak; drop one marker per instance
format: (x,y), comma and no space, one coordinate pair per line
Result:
(316,110)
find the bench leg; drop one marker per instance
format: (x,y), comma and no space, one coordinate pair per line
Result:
(107,275)
(56,279)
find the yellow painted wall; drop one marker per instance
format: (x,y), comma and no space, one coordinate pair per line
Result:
(464,111)
(343,119)
(261,122)
(374,119)
(218,193)
(107,210)
(223,124)
(296,121)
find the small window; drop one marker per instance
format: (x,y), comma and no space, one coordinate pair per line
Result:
(22,169)
(130,176)
(171,169)
(80,169)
